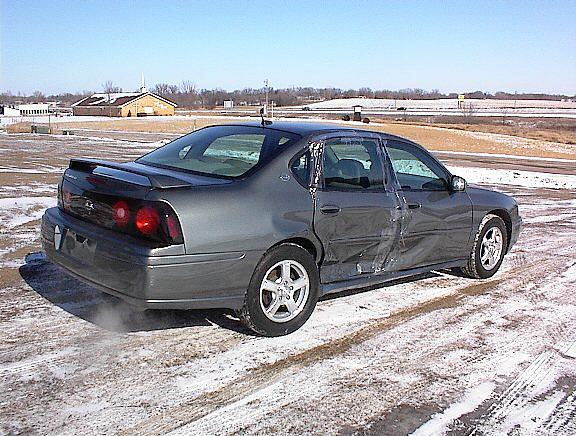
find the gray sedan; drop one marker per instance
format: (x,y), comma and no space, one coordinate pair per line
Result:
(265,219)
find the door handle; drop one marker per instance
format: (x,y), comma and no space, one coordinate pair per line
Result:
(414,206)
(330,209)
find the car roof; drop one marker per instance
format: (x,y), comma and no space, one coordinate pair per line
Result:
(302,128)
(306,128)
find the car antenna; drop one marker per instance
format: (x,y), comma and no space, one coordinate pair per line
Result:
(264,122)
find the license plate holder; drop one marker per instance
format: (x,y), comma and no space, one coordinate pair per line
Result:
(78,246)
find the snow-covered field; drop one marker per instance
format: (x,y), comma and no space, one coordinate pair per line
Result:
(439,354)
(443,103)
(447,106)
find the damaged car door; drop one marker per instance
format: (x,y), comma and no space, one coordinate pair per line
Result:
(438,219)
(357,210)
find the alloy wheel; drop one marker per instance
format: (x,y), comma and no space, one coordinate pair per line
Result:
(284,291)
(491,248)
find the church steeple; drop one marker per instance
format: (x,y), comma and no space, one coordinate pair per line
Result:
(143,84)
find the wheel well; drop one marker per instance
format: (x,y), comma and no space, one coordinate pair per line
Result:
(306,244)
(507,220)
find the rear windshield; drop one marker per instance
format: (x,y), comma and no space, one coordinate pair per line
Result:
(222,151)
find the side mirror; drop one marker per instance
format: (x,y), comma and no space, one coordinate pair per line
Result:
(457,184)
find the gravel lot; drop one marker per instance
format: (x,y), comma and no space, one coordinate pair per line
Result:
(438,354)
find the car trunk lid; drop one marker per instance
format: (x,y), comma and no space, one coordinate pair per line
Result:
(113,195)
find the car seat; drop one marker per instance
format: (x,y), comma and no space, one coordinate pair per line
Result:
(352,171)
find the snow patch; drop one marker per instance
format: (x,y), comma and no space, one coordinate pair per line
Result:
(504,156)
(532,416)
(550,218)
(528,179)
(15,212)
(440,421)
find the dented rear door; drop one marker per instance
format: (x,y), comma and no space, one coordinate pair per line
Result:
(357,215)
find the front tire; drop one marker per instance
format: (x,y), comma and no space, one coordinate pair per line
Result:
(489,248)
(282,293)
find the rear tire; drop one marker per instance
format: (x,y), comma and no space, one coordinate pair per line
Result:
(282,293)
(490,245)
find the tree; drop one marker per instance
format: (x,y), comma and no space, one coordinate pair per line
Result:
(172,89)
(109,88)
(366,92)
(161,89)
(468,110)
(38,96)
(504,112)
(187,87)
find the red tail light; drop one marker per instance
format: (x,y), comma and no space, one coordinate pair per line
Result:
(173,228)
(121,213)
(154,221)
(66,198)
(147,220)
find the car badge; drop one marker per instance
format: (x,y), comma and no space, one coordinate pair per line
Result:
(284,177)
(89,205)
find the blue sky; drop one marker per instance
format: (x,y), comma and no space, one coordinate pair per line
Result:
(524,46)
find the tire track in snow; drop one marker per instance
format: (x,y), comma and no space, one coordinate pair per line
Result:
(543,272)
(517,396)
(29,364)
(267,375)
(563,420)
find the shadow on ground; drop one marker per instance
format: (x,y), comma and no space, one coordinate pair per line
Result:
(355,291)
(109,312)
(113,314)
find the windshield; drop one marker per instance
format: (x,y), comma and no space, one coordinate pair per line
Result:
(224,151)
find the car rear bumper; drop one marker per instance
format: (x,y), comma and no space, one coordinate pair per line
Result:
(142,275)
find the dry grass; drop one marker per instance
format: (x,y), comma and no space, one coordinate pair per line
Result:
(448,137)
(163,125)
(559,134)
(125,125)
(19,128)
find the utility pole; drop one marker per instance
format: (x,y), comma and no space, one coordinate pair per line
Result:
(266,105)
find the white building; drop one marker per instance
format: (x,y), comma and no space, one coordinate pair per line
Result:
(9,111)
(34,109)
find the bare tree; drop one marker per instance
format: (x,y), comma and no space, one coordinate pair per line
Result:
(366,92)
(161,89)
(504,112)
(468,110)
(173,89)
(187,87)
(109,87)
(38,96)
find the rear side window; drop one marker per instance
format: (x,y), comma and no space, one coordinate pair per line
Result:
(223,151)
(352,163)
(301,168)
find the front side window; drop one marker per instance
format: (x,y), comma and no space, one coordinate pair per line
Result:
(414,169)
(223,151)
(352,163)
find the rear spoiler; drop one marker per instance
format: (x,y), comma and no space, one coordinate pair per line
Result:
(154,180)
